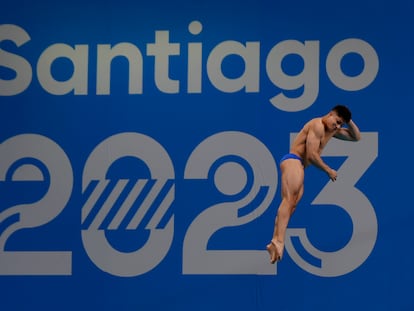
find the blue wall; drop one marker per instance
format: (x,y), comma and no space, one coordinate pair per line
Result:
(139,151)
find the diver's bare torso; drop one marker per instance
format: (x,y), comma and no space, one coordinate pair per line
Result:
(299,144)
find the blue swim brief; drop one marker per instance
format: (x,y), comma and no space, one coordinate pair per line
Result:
(291,156)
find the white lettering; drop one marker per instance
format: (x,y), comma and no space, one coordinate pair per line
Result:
(161,50)
(79,80)
(308,78)
(251,57)
(306,81)
(103,73)
(194,60)
(9,60)
(369,72)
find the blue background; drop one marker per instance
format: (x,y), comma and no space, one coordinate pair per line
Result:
(179,122)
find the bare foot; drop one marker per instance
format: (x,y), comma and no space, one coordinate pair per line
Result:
(275,249)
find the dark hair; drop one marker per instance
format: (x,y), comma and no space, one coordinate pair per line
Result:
(343,112)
